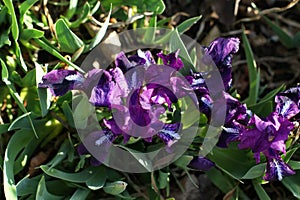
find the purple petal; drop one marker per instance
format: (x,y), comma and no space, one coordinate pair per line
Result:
(61,81)
(82,150)
(267,134)
(229,134)
(201,163)
(220,51)
(169,133)
(288,102)
(221,48)
(171,60)
(142,58)
(100,95)
(277,169)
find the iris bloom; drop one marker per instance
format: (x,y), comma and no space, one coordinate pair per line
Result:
(288,103)
(237,118)
(267,134)
(60,81)
(221,51)
(276,167)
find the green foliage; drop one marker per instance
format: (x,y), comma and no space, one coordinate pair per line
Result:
(254,73)
(39,36)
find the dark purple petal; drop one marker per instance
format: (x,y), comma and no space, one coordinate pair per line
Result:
(171,60)
(142,58)
(169,133)
(101,93)
(288,102)
(161,95)
(221,48)
(267,134)
(123,62)
(230,133)
(60,81)
(138,114)
(201,163)
(82,150)
(277,169)
(220,51)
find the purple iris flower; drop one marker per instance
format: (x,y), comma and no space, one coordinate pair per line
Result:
(220,51)
(288,103)
(101,93)
(276,167)
(126,63)
(201,163)
(268,134)
(169,133)
(60,81)
(237,118)
(197,83)
(171,60)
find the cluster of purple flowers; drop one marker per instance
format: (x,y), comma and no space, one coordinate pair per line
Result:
(146,102)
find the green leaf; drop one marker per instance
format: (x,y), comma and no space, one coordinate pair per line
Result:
(20,57)
(149,35)
(17,142)
(265,106)
(21,117)
(183,161)
(29,79)
(14,22)
(191,115)
(115,188)
(187,24)
(80,177)
(223,182)
(28,34)
(72,8)
(67,40)
(292,184)
(260,191)
(14,94)
(254,74)
(1,162)
(80,194)
(68,113)
(156,6)
(4,128)
(255,172)
(61,154)
(24,7)
(234,162)
(175,44)
(82,112)
(44,95)
(84,16)
(55,53)
(101,33)
(285,38)
(28,185)
(290,153)
(42,192)
(294,164)
(296,40)
(98,180)
(163,179)
(4,38)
